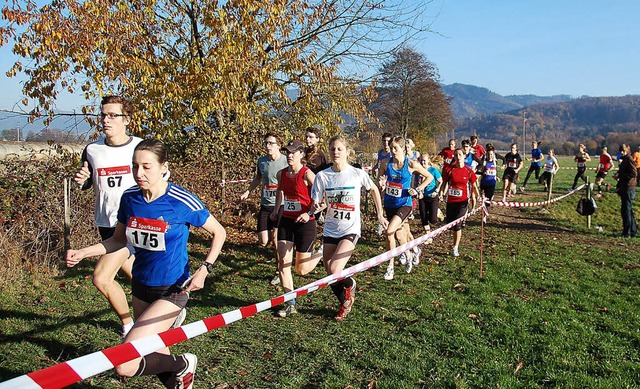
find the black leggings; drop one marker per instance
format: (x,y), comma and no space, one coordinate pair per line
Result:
(532,168)
(546,177)
(579,174)
(488,191)
(428,210)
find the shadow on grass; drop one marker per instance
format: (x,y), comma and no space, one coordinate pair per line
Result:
(56,350)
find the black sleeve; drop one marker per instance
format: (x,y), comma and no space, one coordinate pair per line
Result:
(89,182)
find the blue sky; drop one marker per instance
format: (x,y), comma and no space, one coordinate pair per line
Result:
(541,47)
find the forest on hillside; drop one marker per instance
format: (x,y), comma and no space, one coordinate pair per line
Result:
(593,121)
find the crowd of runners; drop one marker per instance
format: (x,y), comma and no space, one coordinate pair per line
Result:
(310,212)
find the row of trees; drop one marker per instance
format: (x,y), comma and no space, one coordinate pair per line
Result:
(44,135)
(213,76)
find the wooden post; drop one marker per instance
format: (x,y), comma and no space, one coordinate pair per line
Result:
(588,198)
(67,214)
(222,194)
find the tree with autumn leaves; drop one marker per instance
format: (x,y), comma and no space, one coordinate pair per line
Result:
(410,101)
(218,71)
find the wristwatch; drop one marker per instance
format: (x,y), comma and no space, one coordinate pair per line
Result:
(209,266)
(310,213)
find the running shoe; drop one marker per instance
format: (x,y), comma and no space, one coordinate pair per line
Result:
(380,230)
(409,265)
(403,258)
(504,199)
(184,379)
(455,251)
(522,189)
(389,273)
(180,319)
(349,298)
(125,330)
(440,215)
(275,280)
(416,255)
(288,309)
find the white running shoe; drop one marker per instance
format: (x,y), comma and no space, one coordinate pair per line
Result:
(389,274)
(275,280)
(184,380)
(403,258)
(380,230)
(180,319)
(455,251)
(416,255)
(409,265)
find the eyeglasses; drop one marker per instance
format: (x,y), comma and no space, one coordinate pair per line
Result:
(111,115)
(267,143)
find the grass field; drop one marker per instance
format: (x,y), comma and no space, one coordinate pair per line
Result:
(558,306)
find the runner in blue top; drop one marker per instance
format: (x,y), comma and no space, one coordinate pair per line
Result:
(395,180)
(155,217)
(536,158)
(429,201)
(489,172)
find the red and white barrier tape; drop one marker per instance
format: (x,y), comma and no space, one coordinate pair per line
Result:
(517,204)
(224,182)
(576,168)
(70,372)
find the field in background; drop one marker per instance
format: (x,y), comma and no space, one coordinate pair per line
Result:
(557,306)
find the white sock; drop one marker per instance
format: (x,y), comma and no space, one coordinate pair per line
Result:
(126,328)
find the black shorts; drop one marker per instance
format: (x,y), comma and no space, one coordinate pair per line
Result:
(301,234)
(601,175)
(402,212)
(106,232)
(511,175)
(150,294)
(353,238)
(264,221)
(428,210)
(456,211)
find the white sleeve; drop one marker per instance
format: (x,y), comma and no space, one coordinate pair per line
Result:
(317,189)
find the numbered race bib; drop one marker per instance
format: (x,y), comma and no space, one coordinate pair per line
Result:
(146,233)
(340,211)
(548,168)
(453,192)
(111,177)
(512,165)
(394,189)
(491,172)
(269,191)
(448,160)
(291,205)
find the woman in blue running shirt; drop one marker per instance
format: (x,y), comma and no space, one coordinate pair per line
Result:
(489,175)
(154,217)
(395,182)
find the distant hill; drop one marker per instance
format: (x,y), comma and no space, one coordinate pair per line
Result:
(470,101)
(593,121)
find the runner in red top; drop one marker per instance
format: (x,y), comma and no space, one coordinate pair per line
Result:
(461,181)
(603,168)
(297,227)
(478,150)
(448,152)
